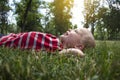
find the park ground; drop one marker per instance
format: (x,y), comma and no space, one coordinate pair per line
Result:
(101,63)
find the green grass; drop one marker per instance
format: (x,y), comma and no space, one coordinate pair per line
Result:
(101,63)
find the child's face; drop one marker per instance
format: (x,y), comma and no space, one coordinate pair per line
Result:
(70,38)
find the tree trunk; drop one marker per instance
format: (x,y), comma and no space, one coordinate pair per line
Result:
(92,28)
(25,15)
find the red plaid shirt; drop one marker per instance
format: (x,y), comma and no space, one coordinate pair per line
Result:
(31,40)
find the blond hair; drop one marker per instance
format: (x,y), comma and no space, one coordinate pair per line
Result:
(87,38)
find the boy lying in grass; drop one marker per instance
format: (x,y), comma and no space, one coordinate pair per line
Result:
(73,41)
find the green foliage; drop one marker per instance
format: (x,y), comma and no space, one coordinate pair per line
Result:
(104,20)
(109,20)
(90,13)
(62,15)
(111,23)
(28,18)
(101,63)
(4,9)
(47,21)
(55,20)
(13,28)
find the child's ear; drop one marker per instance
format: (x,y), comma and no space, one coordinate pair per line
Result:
(79,46)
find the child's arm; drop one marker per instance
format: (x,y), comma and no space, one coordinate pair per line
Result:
(73,51)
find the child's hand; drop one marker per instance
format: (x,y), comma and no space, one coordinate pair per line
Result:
(73,51)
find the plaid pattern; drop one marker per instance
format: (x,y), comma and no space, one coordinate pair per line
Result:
(31,40)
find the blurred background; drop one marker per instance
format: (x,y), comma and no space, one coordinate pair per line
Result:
(102,17)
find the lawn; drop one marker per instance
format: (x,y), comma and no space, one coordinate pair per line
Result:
(101,63)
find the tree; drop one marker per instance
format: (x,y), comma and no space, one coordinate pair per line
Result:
(100,29)
(13,28)
(47,20)
(112,18)
(61,10)
(28,18)
(4,9)
(90,13)
(112,23)
(104,19)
